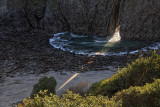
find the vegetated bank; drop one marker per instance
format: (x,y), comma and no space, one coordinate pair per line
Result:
(136,84)
(141,71)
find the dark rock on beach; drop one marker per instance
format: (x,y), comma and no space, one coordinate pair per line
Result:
(24,52)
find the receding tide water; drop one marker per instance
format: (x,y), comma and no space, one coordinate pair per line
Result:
(94,45)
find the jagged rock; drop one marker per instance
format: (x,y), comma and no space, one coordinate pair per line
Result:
(34,11)
(14,21)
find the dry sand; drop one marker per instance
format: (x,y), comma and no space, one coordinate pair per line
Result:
(17,88)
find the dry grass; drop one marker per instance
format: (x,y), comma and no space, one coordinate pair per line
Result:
(81,88)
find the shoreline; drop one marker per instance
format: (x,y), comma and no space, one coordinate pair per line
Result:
(30,52)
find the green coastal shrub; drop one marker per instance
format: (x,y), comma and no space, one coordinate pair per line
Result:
(68,100)
(141,71)
(45,83)
(146,96)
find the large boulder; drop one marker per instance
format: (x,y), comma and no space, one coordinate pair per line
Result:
(14,21)
(22,14)
(91,17)
(34,11)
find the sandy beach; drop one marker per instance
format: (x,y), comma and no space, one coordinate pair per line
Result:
(15,89)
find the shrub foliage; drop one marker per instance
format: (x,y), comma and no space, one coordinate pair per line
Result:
(68,100)
(139,72)
(146,96)
(45,83)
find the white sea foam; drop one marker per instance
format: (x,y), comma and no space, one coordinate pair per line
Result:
(61,33)
(100,41)
(61,41)
(132,52)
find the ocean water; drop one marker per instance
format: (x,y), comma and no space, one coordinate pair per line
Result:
(94,45)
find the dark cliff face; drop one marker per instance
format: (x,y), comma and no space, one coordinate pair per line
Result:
(140,20)
(137,19)
(89,17)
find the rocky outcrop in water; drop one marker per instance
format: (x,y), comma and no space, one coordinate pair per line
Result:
(137,19)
